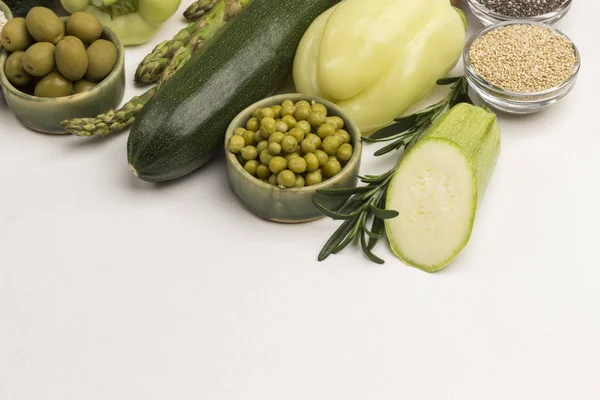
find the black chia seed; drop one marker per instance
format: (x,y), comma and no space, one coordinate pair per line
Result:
(522,8)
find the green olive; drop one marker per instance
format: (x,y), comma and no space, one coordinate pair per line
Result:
(275,148)
(265,157)
(287,103)
(297,165)
(290,121)
(277,111)
(316,119)
(305,126)
(307,146)
(344,153)
(276,137)
(281,126)
(267,127)
(39,59)
(236,144)
(291,156)
(263,171)
(297,134)
(239,131)
(277,164)
(272,180)
(288,110)
(312,162)
(313,178)
(325,130)
(251,167)
(330,145)
(300,183)
(14,69)
(262,145)
(266,112)
(71,58)
(253,124)
(345,136)
(302,103)
(53,85)
(44,25)
(318,107)
(249,153)
(331,169)
(286,179)
(322,157)
(289,144)
(249,138)
(102,56)
(302,113)
(85,26)
(315,139)
(14,35)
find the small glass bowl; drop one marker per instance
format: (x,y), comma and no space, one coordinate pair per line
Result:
(517,102)
(489,17)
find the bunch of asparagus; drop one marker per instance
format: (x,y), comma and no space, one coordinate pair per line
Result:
(161,64)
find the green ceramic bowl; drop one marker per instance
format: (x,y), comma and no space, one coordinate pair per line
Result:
(290,205)
(45,115)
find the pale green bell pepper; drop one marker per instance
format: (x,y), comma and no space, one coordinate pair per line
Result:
(376,59)
(134,21)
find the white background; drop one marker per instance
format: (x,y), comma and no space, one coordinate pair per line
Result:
(111,288)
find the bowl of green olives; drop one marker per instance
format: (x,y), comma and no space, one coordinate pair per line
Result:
(282,150)
(56,68)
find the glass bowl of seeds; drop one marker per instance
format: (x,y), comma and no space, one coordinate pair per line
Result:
(491,12)
(521,67)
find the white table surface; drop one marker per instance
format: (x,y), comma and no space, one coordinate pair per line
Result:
(111,288)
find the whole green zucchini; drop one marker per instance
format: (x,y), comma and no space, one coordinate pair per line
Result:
(181,127)
(19,8)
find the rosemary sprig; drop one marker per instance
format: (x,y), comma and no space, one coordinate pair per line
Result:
(405,131)
(366,205)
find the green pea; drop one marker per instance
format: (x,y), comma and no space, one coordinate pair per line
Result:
(289,144)
(345,136)
(316,119)
(300,183)
(315,139)
(272,180)
(249,153)
(331,169)
(240,159)
(325,131)
(344,153)
(305,126)
(302,103)
(255,113)
(267,127)
(332,158)
(277,164)
(322,157)
(249,138)
(266,113)
(253,124)
(251,167)
(262,145)
(265,157)
(330,145)
(281,126)
(275,148)
(288,157)
(331,121)
(236,144)
(340,122)
(239,131)
(318,107)
(286,179)
(297,165)
(290,121)
(307,146)
(263,171)
(313,178)
(312,162)
(297,133)
(258,137)
(302,113)
(288,110)
(277,111)
(287,103)
(277,137)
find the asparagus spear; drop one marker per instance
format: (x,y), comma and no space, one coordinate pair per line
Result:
(151,67)
(198,9)
(117,120)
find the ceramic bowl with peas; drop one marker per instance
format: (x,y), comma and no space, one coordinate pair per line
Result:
(282,150)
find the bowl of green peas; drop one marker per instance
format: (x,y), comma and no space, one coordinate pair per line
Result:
(281,151)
